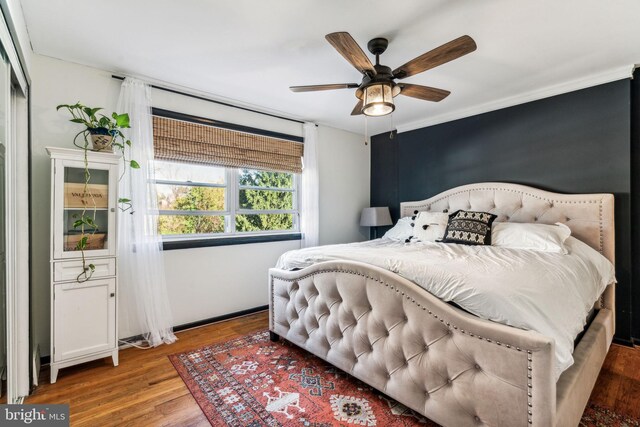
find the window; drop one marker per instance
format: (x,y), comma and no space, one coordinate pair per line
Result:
(217,180)
(212,201)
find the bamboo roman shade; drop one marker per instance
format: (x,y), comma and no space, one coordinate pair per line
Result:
(182,141)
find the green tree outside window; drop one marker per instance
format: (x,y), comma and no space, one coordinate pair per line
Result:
(265,200)
(197,198)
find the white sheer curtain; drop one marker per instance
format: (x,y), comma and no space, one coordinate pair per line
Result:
(142,284)
(310,189)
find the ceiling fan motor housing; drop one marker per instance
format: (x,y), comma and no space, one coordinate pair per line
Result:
(378,45)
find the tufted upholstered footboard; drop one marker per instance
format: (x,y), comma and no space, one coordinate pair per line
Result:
(455,368)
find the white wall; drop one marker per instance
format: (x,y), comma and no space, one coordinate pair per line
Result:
(344,164)
(207,282)
(203,282)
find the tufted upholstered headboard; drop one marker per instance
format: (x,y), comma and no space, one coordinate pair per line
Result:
(589,216)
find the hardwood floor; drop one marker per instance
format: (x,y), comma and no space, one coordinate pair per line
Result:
(145,390)
(618,386)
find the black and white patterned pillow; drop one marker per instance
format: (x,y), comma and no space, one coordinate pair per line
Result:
(469,228)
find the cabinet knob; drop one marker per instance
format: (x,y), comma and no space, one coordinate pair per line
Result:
(113,294)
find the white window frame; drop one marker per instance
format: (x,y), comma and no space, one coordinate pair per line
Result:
(232,207)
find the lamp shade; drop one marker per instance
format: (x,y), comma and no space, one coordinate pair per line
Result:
(375,217)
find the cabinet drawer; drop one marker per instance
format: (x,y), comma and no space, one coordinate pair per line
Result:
(69,270)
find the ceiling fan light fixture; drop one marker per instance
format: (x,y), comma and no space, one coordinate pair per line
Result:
(378,99)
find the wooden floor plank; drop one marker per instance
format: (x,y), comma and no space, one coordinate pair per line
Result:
(146,390)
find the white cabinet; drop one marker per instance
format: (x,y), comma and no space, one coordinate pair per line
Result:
(94,302)
(84,310)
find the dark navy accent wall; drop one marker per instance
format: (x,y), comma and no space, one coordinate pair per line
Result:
(635,205)
(579,142)
(384,174)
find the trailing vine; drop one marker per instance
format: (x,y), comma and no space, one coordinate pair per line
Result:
(86,221)
(109,132)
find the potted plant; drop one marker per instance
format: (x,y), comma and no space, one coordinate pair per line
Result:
(100,129)
(105,133)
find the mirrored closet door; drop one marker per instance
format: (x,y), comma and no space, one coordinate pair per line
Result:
(5,90)
(14,227)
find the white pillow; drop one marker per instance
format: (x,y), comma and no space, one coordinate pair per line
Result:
(401,231)
(430,226)
(536,237)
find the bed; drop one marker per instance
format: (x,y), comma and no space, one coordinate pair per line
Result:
(445,363)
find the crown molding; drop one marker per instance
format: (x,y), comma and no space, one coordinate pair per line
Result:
(619,73)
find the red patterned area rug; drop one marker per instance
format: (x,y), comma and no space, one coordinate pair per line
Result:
(251,381)
(597,416)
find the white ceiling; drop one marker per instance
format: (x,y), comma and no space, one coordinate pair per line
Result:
(251,51)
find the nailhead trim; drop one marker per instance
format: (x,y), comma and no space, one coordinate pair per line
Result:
(273,313)
(601,250)
(529,394)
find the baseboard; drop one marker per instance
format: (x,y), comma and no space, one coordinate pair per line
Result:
(216,319)
(44,360)
(625,342)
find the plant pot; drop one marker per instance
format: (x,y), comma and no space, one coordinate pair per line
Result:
(101,138)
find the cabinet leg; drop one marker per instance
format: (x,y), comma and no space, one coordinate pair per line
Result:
(54,374)
(114,357)
(273,336)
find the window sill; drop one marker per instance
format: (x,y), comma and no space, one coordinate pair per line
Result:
(169,245)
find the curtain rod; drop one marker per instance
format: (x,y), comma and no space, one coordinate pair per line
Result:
(202,98)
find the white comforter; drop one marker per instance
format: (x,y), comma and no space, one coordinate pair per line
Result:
(546,292)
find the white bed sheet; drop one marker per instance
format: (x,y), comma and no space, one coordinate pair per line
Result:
(546,292)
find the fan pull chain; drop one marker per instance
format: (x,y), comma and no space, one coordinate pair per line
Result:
(366,130)
(394,131)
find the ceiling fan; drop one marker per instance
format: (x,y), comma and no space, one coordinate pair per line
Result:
(378,86)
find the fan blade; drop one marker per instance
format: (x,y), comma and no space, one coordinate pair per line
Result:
(438,56)
(349,49)
(357,110)
(313,88)
(423,92)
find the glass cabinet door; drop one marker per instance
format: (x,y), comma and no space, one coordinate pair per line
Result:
(87,210)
